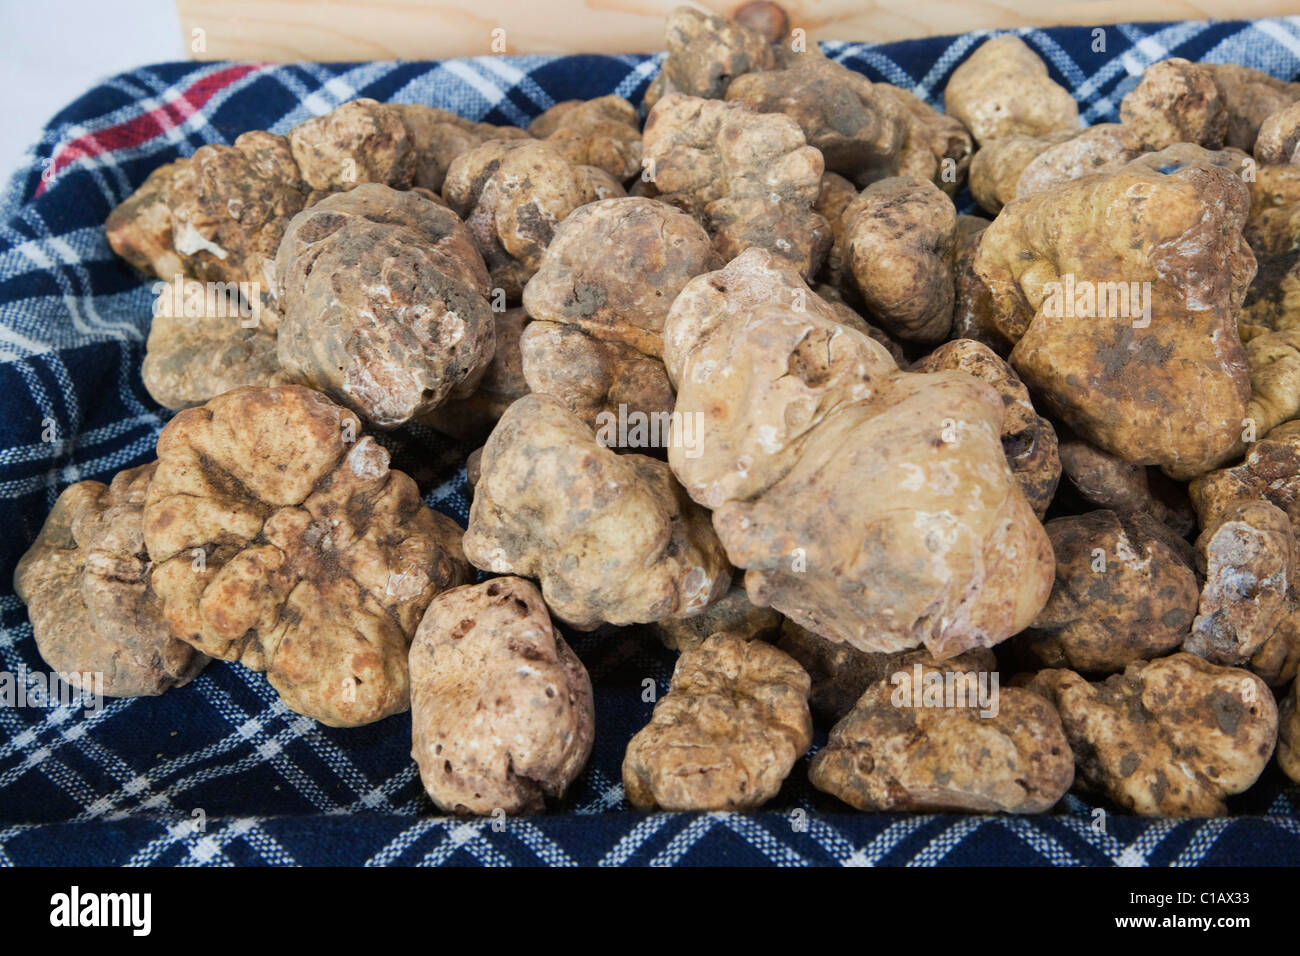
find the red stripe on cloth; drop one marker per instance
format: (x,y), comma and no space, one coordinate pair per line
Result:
(146,126)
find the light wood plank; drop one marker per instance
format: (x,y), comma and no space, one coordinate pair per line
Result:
(287,30)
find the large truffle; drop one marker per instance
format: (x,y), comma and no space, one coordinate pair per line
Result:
(282,540)
(705,53)
(898,241)
(1119,292)
(611,538)
(512,195)
(941,737)
(727,733)
(501,708)
(383,300)
(868,505)
(86,581)
(1125,590)
(1003,89)
(751,177)
(1170,737)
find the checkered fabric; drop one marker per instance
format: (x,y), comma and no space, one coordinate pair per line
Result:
(219,772)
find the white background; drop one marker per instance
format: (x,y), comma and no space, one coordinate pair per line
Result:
(52,51)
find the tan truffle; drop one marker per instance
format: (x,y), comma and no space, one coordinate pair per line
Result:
(1125,591)
(383,299)
(512,195)
(603,133)
(910,744)
(1270,472)
(611,538)
(727,733)
(600,381)
(438,137)
(1166,383)
(1249,560)
(705,53)
(1279,137)
(614,267)
(501,708)
(997,166)
(1170,737)
(859,130)
(898,238)
(1028,439)
(282,540)
(1003,89)
(1098,149)
(751,177)
(1176,102)
(360,141)
(87,585)
(870,506)
(1250,98)
(733,613)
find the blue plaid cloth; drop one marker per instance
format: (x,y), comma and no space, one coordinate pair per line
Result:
(220,772)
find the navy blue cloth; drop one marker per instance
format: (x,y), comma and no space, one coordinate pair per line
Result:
(220,772)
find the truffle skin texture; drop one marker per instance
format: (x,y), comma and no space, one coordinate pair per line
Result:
(614,267)
(898,244)
(282,540)
(1028,439)
(191,358)
(383,300)
(1170,737)
(1125,591)
(997,166)
(603,133)
(1176,102)
(1249,559)
(727,733)
(611,537)
(705,53)
(229,207)
(473,417)
(1279,138)
(361,141)
(1171,391)
(594,377)
(733,613)
(1098,149)
(1270,471)
(1288,740)
(501,708)
(890,754)
(86,584)
(841,674)
(1004,89)
(859,130)
(751,177)
(513,194)
(1250,98)
(438,137)
(139,229)
(827,471)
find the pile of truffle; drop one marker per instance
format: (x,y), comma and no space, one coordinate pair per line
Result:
(871,402)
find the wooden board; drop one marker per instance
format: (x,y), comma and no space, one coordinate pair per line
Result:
(287,30)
